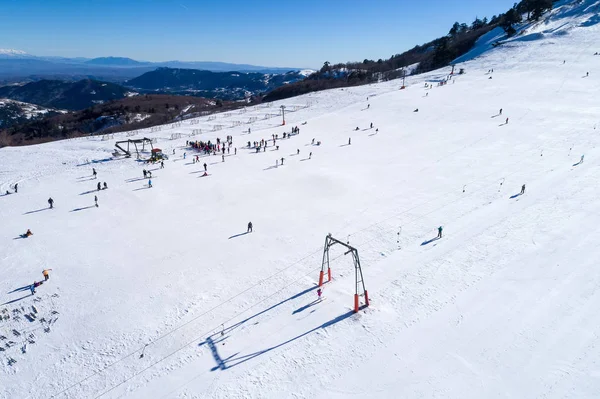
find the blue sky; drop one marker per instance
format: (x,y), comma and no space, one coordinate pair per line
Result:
(261,32)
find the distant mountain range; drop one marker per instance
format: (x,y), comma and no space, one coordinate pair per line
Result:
(65,95)
(17,66)
(223,85)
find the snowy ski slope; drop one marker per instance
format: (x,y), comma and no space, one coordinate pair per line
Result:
(159,294)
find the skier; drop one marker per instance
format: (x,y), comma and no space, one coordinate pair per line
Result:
(282,160)
(319,293)
(162,164)
(310,155)
(149,183)
(349,140)
(249,227)
(587,74)
(376,130)
(581,160)
(522,189)
(96,200)
(173,151)
(500,111)
(32,288)
(298,152)
(94,173)
(46,274)
(313,141)
(27,234)
(16,187)
(506,121)
(223,158)
(205,166)
(368,106)
(440,232)
(235,151)
(145,173)
(51,202)
(105,186)
(184,155)
(371,125)
(99,186)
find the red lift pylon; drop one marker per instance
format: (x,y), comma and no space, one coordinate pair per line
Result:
(358,276)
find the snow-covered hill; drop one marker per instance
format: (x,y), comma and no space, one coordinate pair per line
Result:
(15,112)
(159,293)
(11,53)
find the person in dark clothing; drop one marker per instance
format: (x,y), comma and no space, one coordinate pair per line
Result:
(16,187)
(105,186)
(249,227)
(96,200)
(205,166)
(99,186)
(51,202)
(440,229)
(522,189)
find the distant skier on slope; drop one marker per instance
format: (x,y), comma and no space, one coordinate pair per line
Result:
(440,229)
(105,186)
(149,183)
(96,200)
(99,186)
(249,227)
(205,166)
(581,160)
(51,202)
(46,274)
(94,173)
(522,189)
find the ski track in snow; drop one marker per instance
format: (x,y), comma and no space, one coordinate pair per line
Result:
(504,305)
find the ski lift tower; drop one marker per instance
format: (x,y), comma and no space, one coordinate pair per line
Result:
(283,114)
(359,281)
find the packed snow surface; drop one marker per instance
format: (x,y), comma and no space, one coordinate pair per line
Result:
(160,293)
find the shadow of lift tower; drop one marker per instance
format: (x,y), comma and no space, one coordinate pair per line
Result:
(359,281)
